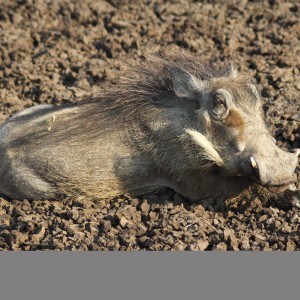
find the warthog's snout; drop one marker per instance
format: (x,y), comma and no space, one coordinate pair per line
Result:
(269,165)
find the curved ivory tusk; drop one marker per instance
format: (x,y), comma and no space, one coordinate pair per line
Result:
(253,163)
(297,152)
(209,150)
(292,187)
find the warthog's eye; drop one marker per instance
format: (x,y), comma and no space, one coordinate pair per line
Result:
(220,105)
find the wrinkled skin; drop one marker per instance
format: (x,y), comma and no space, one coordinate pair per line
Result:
(206,138)
(234,122)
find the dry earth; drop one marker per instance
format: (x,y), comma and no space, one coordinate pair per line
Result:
(57,51)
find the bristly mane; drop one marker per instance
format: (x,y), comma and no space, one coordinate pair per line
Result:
(139,93)
(150,83)
(147,86)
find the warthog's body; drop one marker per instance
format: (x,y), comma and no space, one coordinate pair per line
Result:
(172,123)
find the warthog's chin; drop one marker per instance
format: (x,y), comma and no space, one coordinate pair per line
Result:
(275,189)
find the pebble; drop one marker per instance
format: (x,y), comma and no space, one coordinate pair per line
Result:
(285,227)
(199,245)
(245,244)
(123,222)
(145,207)
(290,246)
(5,220)
(135,202)
(221,247)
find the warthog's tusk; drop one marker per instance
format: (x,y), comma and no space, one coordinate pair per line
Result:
(210,152)
(253,163)
(292,187)
(297,152)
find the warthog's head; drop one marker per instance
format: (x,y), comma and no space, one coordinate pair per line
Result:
(230,129)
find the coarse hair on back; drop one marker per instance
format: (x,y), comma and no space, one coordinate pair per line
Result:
(149,84)
(139,94)
(147,87)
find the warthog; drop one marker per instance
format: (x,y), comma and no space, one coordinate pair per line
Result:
(172,121)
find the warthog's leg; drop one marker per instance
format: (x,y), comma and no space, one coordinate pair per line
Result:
(19,182)
(149,187)
(16,179)
(138,176)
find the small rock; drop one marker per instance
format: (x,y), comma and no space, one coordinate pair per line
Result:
(58,245)
(4,221)
(79,235)
(39,235)
(18,238)
(75,214)
(71,229)
(175,224)
(200,245)
(106,225)
(245,244)
(221,247)
(285,228)
(277,224)
(153,216)
(263,218)
(145,207)
(123,222)
(50,67)
(175,210)
(234,243)
(227,233)
(169,240)
(92,227)
(266,248)
(290,245)
(145,242)
(141,229)
(135,202)
(168,204)
(100,204)
(216,222)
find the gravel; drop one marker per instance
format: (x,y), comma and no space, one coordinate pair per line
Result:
(60,51)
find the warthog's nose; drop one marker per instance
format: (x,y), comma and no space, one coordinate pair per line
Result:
(271,171)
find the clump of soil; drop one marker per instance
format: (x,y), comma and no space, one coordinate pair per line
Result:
(60,51)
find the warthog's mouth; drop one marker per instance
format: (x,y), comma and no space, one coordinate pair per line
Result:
(275,189)
(287,183)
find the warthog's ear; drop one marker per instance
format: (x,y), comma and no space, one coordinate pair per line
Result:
(184,83)
(230,71)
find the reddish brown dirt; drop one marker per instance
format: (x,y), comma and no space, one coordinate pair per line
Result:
(58,51)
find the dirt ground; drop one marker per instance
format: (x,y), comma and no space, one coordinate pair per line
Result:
(58,51)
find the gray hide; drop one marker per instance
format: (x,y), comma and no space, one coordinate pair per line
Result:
(171,122)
